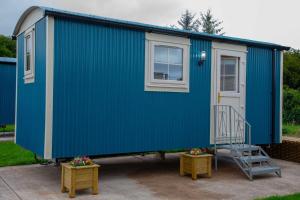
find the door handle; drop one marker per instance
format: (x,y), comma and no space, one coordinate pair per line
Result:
(219,97)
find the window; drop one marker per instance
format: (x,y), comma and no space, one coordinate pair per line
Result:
(29,55)
(167,63)
(229,79)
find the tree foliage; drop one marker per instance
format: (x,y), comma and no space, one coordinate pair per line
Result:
(291,70)
(206,23)
(209,24)
(188,21)
(7,47)
(291,105)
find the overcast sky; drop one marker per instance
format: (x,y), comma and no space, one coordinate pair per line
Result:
(274,21)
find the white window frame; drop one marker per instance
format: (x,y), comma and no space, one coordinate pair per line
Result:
(29,74)
(152,84)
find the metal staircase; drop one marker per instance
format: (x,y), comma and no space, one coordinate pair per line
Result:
(232,138)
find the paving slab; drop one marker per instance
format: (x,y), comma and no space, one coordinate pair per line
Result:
(146,177)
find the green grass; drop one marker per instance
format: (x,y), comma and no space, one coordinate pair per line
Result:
(291,130)
(12,154)
(8,128)
(286,197)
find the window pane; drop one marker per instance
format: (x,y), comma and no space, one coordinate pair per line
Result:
(175,72)
(228,83)
(175,56)
(160,71)
(28,43)
(228,73)
(27,61)
(161,54)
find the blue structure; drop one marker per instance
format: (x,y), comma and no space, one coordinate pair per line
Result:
(7,90)
(90,85)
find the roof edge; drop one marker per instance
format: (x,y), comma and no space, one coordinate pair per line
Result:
(8,60)
(144,27)
(23,17)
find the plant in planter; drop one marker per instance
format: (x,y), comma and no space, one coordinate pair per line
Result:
(195,162)
(80,173)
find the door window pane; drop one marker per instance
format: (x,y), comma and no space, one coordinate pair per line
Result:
(168,64)
(229,73)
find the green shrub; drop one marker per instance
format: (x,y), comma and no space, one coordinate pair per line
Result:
(291,105)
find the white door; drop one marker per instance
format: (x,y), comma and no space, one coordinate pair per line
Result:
(229,88)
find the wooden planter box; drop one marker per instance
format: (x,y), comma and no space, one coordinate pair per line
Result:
(195,165)
(75,178)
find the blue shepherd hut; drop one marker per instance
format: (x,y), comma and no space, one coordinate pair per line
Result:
(7,90)
(89,85)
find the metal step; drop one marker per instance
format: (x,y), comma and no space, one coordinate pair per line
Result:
(254,159)
(263,170)
(239,147)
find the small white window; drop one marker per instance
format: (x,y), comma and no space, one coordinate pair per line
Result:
(167,63)
(229,74)
(29,55)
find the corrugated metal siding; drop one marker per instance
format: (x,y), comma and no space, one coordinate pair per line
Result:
(31,97)
(100,106)
(259,94)
(7,93)
(277,103)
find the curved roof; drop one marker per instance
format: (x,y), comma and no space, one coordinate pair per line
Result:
(8,60)
(143,27)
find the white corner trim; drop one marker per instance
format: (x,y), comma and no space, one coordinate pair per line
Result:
(16,95)
(213,91)
(230,47)
(153,39)
(49,87)
(281,96)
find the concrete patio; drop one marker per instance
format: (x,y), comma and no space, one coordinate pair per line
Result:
(145,177)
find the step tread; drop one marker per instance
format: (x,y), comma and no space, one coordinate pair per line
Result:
(239,147)
(264,169)
(252,159)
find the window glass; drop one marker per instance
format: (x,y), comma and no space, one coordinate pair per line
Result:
(28,52)
(229,73)
(168,64)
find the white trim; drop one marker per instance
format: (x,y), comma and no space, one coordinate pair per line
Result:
(230,47)
(16,95)
(281,96)
(49,87)
(29,74)
(28,18)
(167,38)
(153,39)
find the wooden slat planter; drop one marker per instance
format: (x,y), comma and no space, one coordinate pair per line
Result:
(75,178)
(195,165)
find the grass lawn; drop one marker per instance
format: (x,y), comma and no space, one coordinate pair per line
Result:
(8,128)
(12,154)
(287,197)
(291,130)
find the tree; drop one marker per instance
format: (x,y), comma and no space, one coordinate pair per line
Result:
(188,21)
(209,24)
(291,70)
(7,47)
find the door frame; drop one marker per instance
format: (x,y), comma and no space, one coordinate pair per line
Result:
(233,50)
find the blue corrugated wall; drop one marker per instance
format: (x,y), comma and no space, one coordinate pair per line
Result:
(7,93)
(31,97)
(259,94)
(100,106)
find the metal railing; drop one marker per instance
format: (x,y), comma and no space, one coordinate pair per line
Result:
(230,127)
